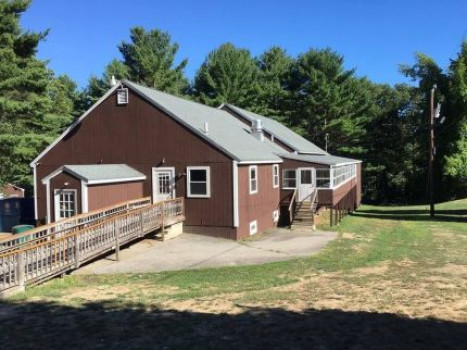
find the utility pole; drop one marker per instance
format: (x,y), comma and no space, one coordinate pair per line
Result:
(326,136)
(432,152)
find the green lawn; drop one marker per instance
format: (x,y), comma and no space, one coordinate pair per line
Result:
(394,276)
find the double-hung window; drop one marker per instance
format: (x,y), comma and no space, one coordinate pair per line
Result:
(275,175)
(253,170)
(289,179)
(198,182)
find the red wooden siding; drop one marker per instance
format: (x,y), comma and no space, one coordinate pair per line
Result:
(259,206)
(142,136)
(100,196)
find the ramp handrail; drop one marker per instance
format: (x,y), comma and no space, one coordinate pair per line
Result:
(45,258)
(70,224)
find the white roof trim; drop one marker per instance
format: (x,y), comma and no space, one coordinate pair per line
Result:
(347,163)
(260,162)
(90,182)
(109,181)
(52,175)
(312,153)
(71,127)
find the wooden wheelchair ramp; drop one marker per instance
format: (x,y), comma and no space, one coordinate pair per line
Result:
(47,251)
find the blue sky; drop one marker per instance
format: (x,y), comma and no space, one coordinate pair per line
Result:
(374,36)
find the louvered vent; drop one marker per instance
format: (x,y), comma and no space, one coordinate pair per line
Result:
(122,96)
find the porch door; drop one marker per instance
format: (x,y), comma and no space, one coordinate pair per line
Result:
(64,203)
(163,184)
(306,183)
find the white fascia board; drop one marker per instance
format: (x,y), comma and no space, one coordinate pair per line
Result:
(261,162)
(46,179)
(109,181)
(312,153)
(347,163)
(72,126)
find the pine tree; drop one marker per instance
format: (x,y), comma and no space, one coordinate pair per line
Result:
(274,65)
(33,105)
(148,59)
(455,166)
(228,75)
(328,99)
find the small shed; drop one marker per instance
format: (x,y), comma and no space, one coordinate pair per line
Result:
(76,189)
(11,191)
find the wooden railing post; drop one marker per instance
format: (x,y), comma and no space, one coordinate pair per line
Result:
(141,223)
(163,221)
(21,269)
(117,238)
(77,251)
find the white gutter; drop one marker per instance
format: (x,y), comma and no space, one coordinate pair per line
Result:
(48,201)
(84,197)
(236,218)
(261,162)
(36,215)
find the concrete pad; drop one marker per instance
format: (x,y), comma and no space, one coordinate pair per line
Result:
(189,251)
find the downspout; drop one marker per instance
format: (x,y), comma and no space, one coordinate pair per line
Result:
(84,197)
(36,214)
(235,193)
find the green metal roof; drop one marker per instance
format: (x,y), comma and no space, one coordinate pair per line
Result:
(226,133)
(101,173)
(280,131)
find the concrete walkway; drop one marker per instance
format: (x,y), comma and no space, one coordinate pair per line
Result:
(190,251)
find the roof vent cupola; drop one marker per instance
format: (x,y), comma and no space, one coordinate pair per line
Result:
(257,129)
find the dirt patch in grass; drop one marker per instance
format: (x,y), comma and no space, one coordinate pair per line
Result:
(380,269)
(452,269)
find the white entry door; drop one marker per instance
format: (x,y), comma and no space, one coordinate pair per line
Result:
(306,183)
(163,184)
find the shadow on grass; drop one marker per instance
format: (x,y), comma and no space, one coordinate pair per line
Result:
(108,326)
(455,215)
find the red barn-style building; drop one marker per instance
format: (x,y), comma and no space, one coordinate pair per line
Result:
(238,171)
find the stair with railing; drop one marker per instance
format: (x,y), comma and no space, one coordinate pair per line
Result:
(303,213)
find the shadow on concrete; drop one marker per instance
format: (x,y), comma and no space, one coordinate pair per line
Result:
(107,325)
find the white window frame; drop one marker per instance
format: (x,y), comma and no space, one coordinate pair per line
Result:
(122,96)
(339,175)
(57,202)
(283,178)
(275,176)
(208,182)
(255,168)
